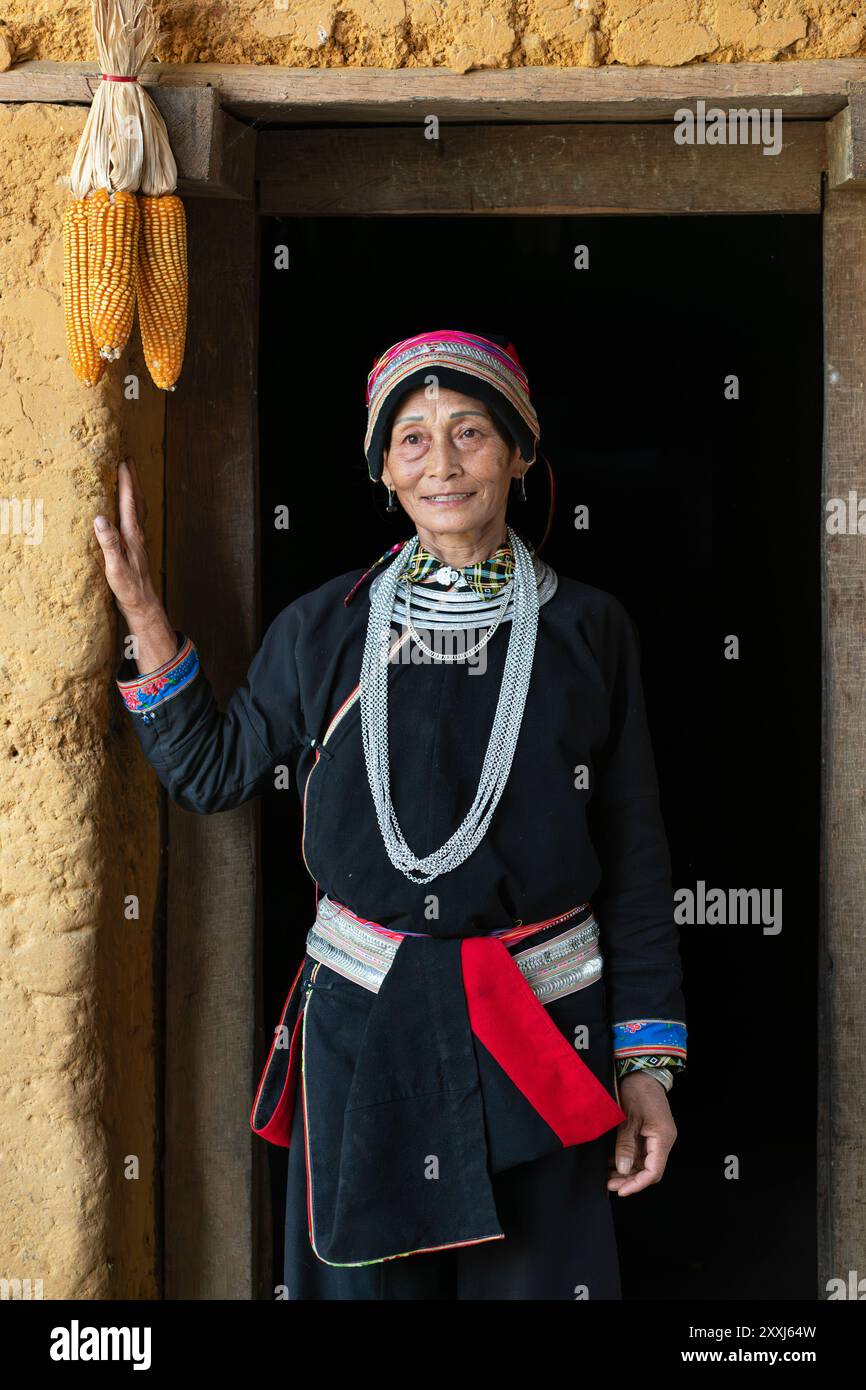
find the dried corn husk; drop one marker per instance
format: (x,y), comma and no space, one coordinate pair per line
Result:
(124,144)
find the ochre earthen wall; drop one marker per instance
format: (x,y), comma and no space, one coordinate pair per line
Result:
(78,809)
(462,34)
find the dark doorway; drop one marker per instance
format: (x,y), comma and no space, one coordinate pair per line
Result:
(703,521)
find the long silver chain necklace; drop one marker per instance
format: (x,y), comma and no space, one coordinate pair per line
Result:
(506,721)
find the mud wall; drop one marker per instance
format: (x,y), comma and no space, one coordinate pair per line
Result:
(78,809)
(463,34)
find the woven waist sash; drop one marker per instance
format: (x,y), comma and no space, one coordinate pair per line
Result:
(364,952)
(453,1069)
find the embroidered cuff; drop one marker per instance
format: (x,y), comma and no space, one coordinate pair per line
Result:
(651,1062)
(649,1038)
(144,693)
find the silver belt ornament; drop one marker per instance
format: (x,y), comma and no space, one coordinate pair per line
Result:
(566,963)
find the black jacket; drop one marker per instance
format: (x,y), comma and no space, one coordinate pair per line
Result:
(549,844)
(555,841)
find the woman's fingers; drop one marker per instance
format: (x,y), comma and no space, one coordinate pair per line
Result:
(111,544)
(658,1146)
(635,1182)
(127,510)
(649,1167)
(627,1142)
(108,537)
(124,578)
(138,493)
(123,546)
(643,1140)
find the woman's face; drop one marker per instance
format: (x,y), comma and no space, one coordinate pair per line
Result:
(450,465)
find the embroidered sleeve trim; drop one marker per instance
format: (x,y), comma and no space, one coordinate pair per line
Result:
(640,1037)
(155,687)
(652,1061)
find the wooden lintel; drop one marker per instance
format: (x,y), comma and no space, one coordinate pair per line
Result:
(846,142)
(808,90)
(531,170)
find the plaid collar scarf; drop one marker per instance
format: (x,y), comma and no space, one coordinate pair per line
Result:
(486,577)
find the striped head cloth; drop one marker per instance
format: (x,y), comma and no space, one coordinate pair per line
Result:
(485,367)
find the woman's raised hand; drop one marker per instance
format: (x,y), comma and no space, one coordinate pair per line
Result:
(128,573)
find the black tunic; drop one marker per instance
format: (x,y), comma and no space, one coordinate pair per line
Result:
(555,840)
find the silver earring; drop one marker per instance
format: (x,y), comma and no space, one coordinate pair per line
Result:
(523,486)
(392,505)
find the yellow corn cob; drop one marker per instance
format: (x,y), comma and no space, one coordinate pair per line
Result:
(112,267)
(162,286)
(84,356)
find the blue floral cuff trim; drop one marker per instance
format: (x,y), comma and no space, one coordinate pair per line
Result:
(639,1036)
(142,695)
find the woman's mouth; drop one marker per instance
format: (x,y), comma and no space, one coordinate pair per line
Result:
(448,499)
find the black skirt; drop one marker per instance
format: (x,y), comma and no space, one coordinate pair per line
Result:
(559,1240)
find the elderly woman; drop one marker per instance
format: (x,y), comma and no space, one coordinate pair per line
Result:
(491,985)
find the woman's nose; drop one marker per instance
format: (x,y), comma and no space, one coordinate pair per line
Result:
(440,458)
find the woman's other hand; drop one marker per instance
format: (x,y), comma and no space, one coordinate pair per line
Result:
(128,573)
(645,1137)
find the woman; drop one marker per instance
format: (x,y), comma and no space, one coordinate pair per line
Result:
(491,986)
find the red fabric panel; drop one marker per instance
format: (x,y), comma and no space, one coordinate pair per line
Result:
(519,1033)
(278,1129)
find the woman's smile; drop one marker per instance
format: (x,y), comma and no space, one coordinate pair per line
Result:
(447,499)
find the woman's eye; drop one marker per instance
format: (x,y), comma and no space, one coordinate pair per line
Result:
(411,438)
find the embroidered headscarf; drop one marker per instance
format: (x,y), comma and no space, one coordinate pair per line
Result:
(485,367)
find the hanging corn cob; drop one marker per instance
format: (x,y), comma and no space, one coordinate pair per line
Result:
(87,364)
(112,268)
(162,287)
(134,249)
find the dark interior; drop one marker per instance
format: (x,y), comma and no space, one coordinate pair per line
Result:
(705,521)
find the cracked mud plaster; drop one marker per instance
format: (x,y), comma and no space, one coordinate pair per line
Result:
(459,34)
(77,805)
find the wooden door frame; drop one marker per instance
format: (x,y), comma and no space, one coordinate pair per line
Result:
(612,128)
(624,169)
(215,1225)
(628,169)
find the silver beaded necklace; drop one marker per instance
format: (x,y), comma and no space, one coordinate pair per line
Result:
(506,721)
